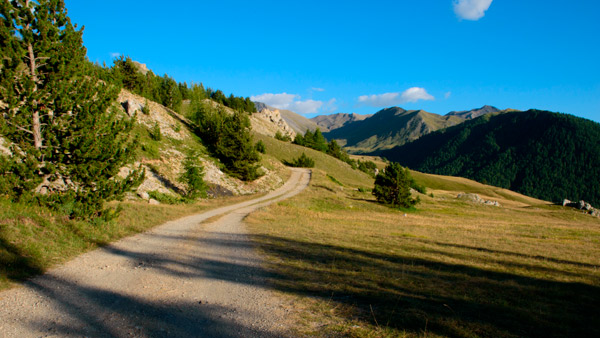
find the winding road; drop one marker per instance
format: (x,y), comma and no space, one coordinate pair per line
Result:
(185,278)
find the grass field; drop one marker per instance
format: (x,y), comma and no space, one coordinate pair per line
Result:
(449,269)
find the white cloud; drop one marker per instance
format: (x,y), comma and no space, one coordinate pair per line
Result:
(280,101)
(447,95)
(306,107)
(115,55)
(316,89)
(471,9)
(413,94)
(292,102)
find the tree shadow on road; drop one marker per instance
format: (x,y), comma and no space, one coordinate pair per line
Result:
(95,312)
(412,295)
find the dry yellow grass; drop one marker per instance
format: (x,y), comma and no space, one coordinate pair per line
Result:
(449,269)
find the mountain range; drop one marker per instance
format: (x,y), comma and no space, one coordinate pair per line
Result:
(390,127)
(542,154)
(334,121)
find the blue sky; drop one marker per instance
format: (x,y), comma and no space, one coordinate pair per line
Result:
(319,57)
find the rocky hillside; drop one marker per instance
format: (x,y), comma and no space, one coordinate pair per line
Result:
(335,121)
(163,159)
(268,122)
(388,128)
(298,123)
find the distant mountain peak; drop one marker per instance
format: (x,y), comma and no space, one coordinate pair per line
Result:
(474,113)
(335,121)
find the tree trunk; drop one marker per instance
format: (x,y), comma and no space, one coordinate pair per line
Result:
(36,124)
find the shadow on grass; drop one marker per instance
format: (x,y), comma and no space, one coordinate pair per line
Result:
(410,294)
(417,295)
(15,265)
(514,254)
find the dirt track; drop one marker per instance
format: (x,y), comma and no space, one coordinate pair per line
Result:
(182,279)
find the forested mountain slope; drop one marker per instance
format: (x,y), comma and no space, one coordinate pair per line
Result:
(542,154)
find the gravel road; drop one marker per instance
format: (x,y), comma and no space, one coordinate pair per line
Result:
(185,278)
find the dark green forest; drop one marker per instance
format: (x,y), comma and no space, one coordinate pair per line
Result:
(164,89)
(315,140)
(546,155)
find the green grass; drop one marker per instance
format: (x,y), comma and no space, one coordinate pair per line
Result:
(448,269)
(342,171)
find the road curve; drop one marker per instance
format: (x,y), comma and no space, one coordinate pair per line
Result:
(184,278)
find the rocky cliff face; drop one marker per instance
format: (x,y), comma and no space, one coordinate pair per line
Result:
(269,122)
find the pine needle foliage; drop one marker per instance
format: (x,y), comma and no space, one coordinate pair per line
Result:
(193,177)
(67,143)
(302,161)
(392,187)
(227,136)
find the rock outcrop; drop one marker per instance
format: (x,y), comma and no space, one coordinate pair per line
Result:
(269,122)
(476,199)
(583,206)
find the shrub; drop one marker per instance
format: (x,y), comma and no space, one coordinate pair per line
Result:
(260,147)
(392,187)
(146,108)
(279,136)
(193,177)
(155,133)
(302,161)
(334,180)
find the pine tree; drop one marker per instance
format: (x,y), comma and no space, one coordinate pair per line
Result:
(56,113)
(193,177)
(392,187)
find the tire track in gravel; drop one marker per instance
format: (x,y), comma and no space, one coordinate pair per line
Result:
(184,278)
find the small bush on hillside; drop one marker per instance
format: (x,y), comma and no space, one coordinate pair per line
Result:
(334,180)
(155,133)
(193,177)
(146,108)
(392,187)
(260,147)
(367,167)
(302,161)
(279,136)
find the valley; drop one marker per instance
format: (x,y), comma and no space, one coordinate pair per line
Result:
(320,198)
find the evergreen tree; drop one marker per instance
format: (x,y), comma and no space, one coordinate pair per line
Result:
(392,187)
(193,177)
(319,141)
(56,113)
(228,137)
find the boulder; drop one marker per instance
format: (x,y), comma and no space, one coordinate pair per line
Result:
(153,201)
(476,199)
(470,197)
(143,195)
(131,107)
